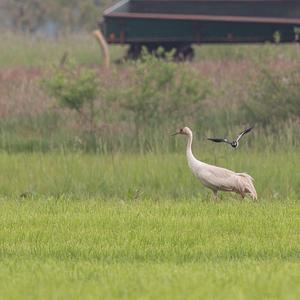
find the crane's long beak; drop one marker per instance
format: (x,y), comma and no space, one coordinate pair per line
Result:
(175,133)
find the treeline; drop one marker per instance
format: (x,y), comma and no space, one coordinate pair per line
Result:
(51,16)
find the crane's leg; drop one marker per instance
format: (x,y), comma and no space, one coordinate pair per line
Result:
(216,198)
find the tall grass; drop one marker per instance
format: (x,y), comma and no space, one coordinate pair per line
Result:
(141,103)
(35,50)
(137,177)
(243,52)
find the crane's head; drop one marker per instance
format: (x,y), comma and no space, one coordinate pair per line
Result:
(184,131)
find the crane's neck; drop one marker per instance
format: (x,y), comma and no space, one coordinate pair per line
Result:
(189,153)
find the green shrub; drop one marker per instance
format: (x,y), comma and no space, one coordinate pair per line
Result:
(76,88)
(163,93)
(72,86)
(274,97)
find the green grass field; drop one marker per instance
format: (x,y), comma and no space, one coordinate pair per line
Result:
(131,222)
(78,226)
(61,248)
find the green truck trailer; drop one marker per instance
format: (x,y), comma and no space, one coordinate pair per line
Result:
(174,24)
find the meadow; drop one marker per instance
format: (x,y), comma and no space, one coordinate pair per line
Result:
(87,226)
(120,216)
(58,248)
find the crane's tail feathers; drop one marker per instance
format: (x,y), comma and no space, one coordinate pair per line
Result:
(245,185)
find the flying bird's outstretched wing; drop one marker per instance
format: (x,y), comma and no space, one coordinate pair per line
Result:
(244,132)
(218,140)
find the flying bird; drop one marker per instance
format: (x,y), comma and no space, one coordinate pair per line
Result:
(234,143)
(216,178)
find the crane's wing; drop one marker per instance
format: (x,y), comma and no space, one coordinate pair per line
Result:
(218,140)
(217,178)
(244,132)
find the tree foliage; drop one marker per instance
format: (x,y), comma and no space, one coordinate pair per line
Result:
(32,15)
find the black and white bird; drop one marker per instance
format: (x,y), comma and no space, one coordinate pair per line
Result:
(234,143)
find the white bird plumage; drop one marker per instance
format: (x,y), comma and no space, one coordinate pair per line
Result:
(216,178)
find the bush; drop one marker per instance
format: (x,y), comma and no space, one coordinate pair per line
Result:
(274,97)
(77,89)
(163,93)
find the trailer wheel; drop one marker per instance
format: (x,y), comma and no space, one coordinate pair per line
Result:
(134,51)
(183,52)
